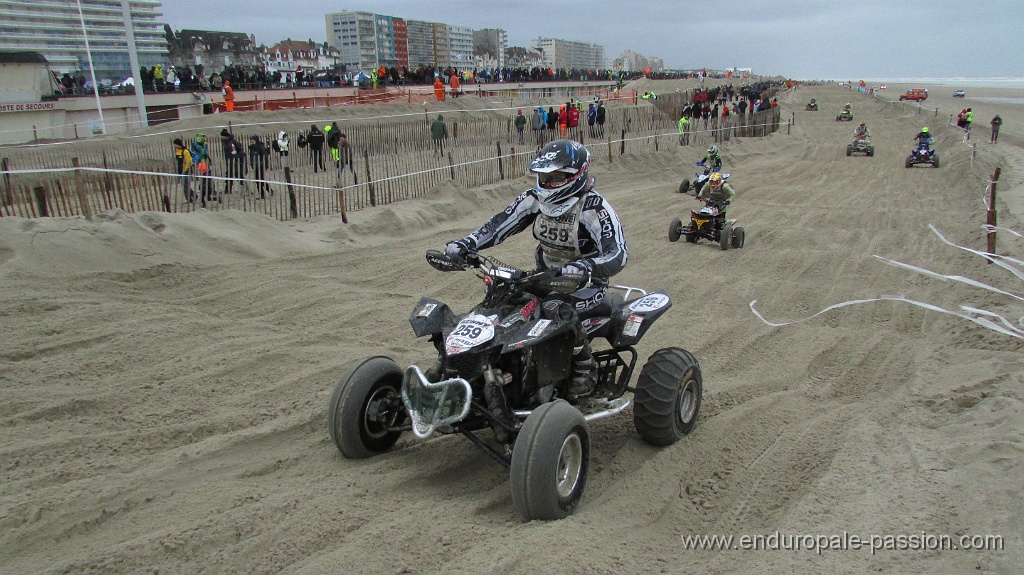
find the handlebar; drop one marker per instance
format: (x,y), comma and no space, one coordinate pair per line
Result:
(494,272)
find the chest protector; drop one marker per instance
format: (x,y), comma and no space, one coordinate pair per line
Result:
(559,236)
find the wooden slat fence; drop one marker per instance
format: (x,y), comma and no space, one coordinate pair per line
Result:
(394,161)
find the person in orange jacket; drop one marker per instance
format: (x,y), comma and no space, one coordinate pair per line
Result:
(438,89)
(229,96)
(454,83)
(563,121)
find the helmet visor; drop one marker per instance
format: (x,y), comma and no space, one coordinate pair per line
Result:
(552,180)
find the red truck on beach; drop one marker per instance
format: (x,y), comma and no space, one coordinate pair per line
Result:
(915,95)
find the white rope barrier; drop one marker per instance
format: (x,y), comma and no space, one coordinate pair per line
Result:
(984,318)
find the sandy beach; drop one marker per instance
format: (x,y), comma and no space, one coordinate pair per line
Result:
(166,376)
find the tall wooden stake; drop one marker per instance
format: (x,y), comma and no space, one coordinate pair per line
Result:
(990,218)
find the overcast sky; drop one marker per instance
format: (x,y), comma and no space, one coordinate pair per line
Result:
(803,39)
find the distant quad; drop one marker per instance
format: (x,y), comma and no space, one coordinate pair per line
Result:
(922,155)
(959,94)
(812,107)
(860,146)
(845,116)
(709,223)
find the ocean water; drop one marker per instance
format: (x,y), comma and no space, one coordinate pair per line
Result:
(999,100)
(989,82)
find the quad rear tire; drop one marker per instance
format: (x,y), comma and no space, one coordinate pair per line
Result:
(849,149)
(668,396)
(725,238)
(910,161)
(675,229)
(550,462)
(356,415)
(871,151)
(935,160)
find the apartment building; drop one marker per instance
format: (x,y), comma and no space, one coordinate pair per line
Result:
(568,54)
(493,42)
(53,29)
(366,40)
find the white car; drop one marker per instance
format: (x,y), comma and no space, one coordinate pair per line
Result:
(959,94)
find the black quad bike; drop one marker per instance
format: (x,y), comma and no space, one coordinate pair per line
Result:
(845,116)
(699,179)
(709,223)
(860,146)
(506,366)
(811,107)
(922,155)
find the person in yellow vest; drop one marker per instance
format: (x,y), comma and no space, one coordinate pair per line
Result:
(183,160)
(684,130)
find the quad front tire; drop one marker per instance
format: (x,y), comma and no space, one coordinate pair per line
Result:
(849,149)
(739,235)
(935,161)
(674,230)
(871,151)
(550,462)
(684,187)
(668,396)
(725,239)
(910,161)
(363,408)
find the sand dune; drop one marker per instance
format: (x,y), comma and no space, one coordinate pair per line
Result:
(166,377)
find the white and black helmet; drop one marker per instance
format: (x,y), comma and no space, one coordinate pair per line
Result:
(713,150)
(561,169)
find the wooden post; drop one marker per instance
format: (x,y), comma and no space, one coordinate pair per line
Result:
(622,145)
(40,193)
(35,137)
(609,138)
(501,167)
(369,180)
(292,203)
(83,197)
(451,166)
(76,130)
(990,216)
(107,184)
(8,196)
(341,204)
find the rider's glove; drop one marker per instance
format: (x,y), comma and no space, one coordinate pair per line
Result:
(580,269)
(457,248)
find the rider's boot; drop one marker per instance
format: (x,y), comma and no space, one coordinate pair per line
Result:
(584,367)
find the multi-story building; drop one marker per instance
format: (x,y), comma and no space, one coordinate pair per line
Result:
(489,46)
(442,48)
(401,43)
(212,50)
(53,28)
(568,54)
(365,40)
(385,36)
(460,47)
(421,43)
(354,35)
